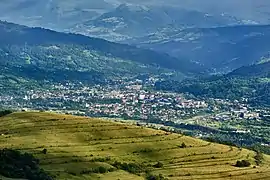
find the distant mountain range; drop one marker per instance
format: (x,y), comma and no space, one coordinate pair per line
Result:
(127,22)
(219,42)
(59,13)
(55,14)
(215,34)
(45,55)
(221,49)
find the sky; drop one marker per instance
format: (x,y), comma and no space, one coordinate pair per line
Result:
(257,10)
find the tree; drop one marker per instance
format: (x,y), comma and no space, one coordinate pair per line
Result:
(243,163)
(44,151)
(5,112)
(155,177)
(158,165)
(183,145)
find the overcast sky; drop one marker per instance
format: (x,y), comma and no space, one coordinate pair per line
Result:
(258,10)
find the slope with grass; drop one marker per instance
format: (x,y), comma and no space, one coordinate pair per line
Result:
(71,147)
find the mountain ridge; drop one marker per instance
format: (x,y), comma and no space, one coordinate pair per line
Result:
(49,41)
(220,49)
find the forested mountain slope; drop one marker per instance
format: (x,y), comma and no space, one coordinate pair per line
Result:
(220,49)
(36,46)
(251,82)
(257,70)
(35,55)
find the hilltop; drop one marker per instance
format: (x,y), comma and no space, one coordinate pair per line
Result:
(71,147)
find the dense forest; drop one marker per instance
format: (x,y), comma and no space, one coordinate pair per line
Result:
(252,82)
(22,41)
(257,92)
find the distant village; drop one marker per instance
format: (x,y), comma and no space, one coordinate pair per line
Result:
(132,101)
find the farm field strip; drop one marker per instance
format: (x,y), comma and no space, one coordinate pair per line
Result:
(75,144)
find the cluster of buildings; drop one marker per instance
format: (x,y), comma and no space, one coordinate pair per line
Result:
(134,101)
(140,104)
(128,100)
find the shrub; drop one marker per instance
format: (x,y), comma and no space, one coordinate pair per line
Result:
(5,112)
(129,167)
(158,165)
(243,163)
(100,170)
(44,151)
(101,159)
(146,150)
(258,158)
(155,177)
(183,145)
(72,173)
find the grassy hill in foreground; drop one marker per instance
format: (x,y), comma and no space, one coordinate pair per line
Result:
(78,147)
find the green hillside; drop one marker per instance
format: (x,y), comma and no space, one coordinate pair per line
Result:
(256,70)
(87,148)
(251,82)
(51,51)
(32,58)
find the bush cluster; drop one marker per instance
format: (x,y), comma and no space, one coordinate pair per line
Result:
(158,165)
(243,163)
(5,112)
(100,170)
(146,150)
(102,159)
(155,177)
(183,145)
(258,158)
(18,165)
(129,167)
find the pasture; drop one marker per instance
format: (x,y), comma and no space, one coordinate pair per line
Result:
(89,148)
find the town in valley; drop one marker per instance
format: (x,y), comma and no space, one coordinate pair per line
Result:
(138,101)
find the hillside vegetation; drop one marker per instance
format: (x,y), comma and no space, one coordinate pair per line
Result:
(52,51)
(221,49)
(251,82)
(34,58)
(256,70)
(71,147)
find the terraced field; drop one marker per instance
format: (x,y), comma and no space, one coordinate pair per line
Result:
(77,145)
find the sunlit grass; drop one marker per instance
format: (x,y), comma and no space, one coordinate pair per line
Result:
(76,144)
